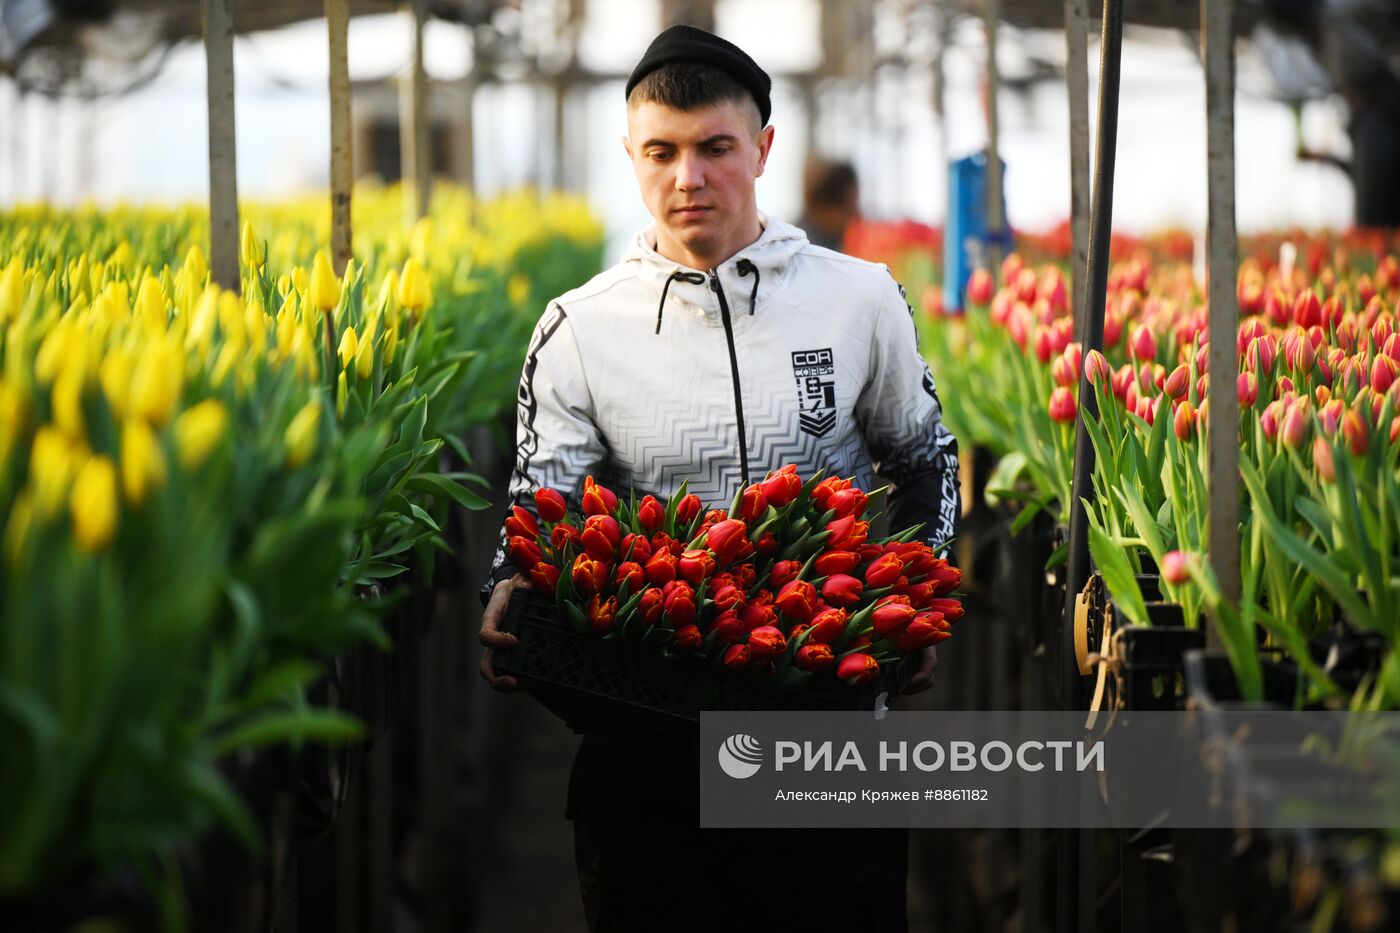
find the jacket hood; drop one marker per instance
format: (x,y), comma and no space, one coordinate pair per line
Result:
(771,255)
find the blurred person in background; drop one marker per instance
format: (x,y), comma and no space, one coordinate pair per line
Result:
(830,202)
(723,345)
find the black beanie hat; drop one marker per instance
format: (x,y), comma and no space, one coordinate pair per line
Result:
(689,44)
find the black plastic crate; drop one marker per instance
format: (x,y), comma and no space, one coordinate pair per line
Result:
(590,682)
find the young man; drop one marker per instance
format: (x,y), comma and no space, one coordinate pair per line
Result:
(723,345)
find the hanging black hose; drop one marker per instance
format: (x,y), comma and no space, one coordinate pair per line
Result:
(1071,904)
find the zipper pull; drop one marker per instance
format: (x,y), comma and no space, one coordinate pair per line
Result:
(714,281)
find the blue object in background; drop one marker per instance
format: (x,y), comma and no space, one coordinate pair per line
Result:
(965,233)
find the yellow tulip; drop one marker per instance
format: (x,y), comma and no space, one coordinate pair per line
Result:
(300,436)
(151,303)
(349,345)
(115,376)
(93,504)
(284,284)
(300,280)
(226,363)
(53,352)
(421,238)
(198,431)
(518,290)
(364,359)
(206,315)
(251,247)
(121,256)
(143,464)
(388,289)
(391,343)
(67,402)
(156,382)
(13,416)
(196,266)
(52,463)
(413,287)
(11,290)
(325,287)
(342,391)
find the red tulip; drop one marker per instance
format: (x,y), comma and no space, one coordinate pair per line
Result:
(726,596)
(857,669)
(753,504)
(1063,407)
(757,614)
(679,603)
(950,609)
(550,504)
(1269,421)
(828,625)
(545,576)
(1178,383)
(635,547)
(1323,460)
(891,615)
(661,541)
(688,638)
(1249,329)
(821,493)
(1301,353)
(1247,389)
(728,627)
(687,509)
(945,579)
(1383,372)
(797,600)
(1294,430)
(1142,344)
(1175,567)
(846,533)
(1357,432)
(522,524)
(842,590)
(767,641)
(563,534)
(727,539)
(629,573)
(524,553)
(926,629)
(782,487)
(736,657)
(767,545)
(651,606)
(783,572)
(661,568)
(814,656)
(980,287)
(597,500)
(601,614)
(601,534)
(1184,421)
(850,501)
(694,566)
(589,575)
(835,562)
(1043,343)
(1307,310)
(651,514)
(1329,415)
(884,571)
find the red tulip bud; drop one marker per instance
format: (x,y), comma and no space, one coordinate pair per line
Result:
(980,287)
(688,639)
(601,534)
(842,590)
(797,600)
(521,524)
(597,500)
(1249,329)
(831,562)
(783,572)
(846,533)
(1063,407)
(550,504)
(1307,310)
(814,656)
(1184,422)
(1247,389)
(1179,382)
(782,487)
(891,615)
(727,539)
(651,514)
(850,501)
(857,669)
(601,614)
(679,602)
(1175,567)
(828,625)
(524,553)
(1383,372)
(1356,431)
(756,615)
(753,504)
(884,571)
(694,566)
(687,509)
(563,534)
(545,577)
(950,609)
(1329,415)
(1294,430)
(661,568)
(1323,460)
(589,575)
(651,605)
(736,657)
(629,573)
(766,642)
(1142,344)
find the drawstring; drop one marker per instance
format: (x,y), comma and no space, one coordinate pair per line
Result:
(694,278)
(745,267)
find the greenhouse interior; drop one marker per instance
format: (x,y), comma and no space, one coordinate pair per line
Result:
(495,465)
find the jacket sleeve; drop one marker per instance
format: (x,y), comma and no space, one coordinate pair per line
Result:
(557,439)
(901,419)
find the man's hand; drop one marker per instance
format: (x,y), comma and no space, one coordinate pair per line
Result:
(922,680)
(491,635)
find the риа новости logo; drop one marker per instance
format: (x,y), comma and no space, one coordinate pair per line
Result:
(740,756)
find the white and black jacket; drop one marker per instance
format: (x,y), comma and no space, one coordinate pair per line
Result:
(653,373)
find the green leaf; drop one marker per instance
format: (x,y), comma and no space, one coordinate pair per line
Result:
(281,727)
(439,485)
(1117,574)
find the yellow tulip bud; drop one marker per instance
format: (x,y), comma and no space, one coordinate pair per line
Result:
(349,345)
(156,382)
(518,290)
(11,290)
(198,431)
(413,287)
(342,391)
(325,287)
(196,266)
(364,359)
(388,289)
(151,305)
(52,463)
(143,464)
(53,351)
(93,504)
(284,284)
(251,247)
(226,363)
(67,402)
(115,376)
(206,315)
(391,343)
(421,238)
(286,333)
(300,280)
(300,436)
(14,411)
(121,256)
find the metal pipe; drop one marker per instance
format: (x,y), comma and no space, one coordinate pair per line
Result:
(223,164)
